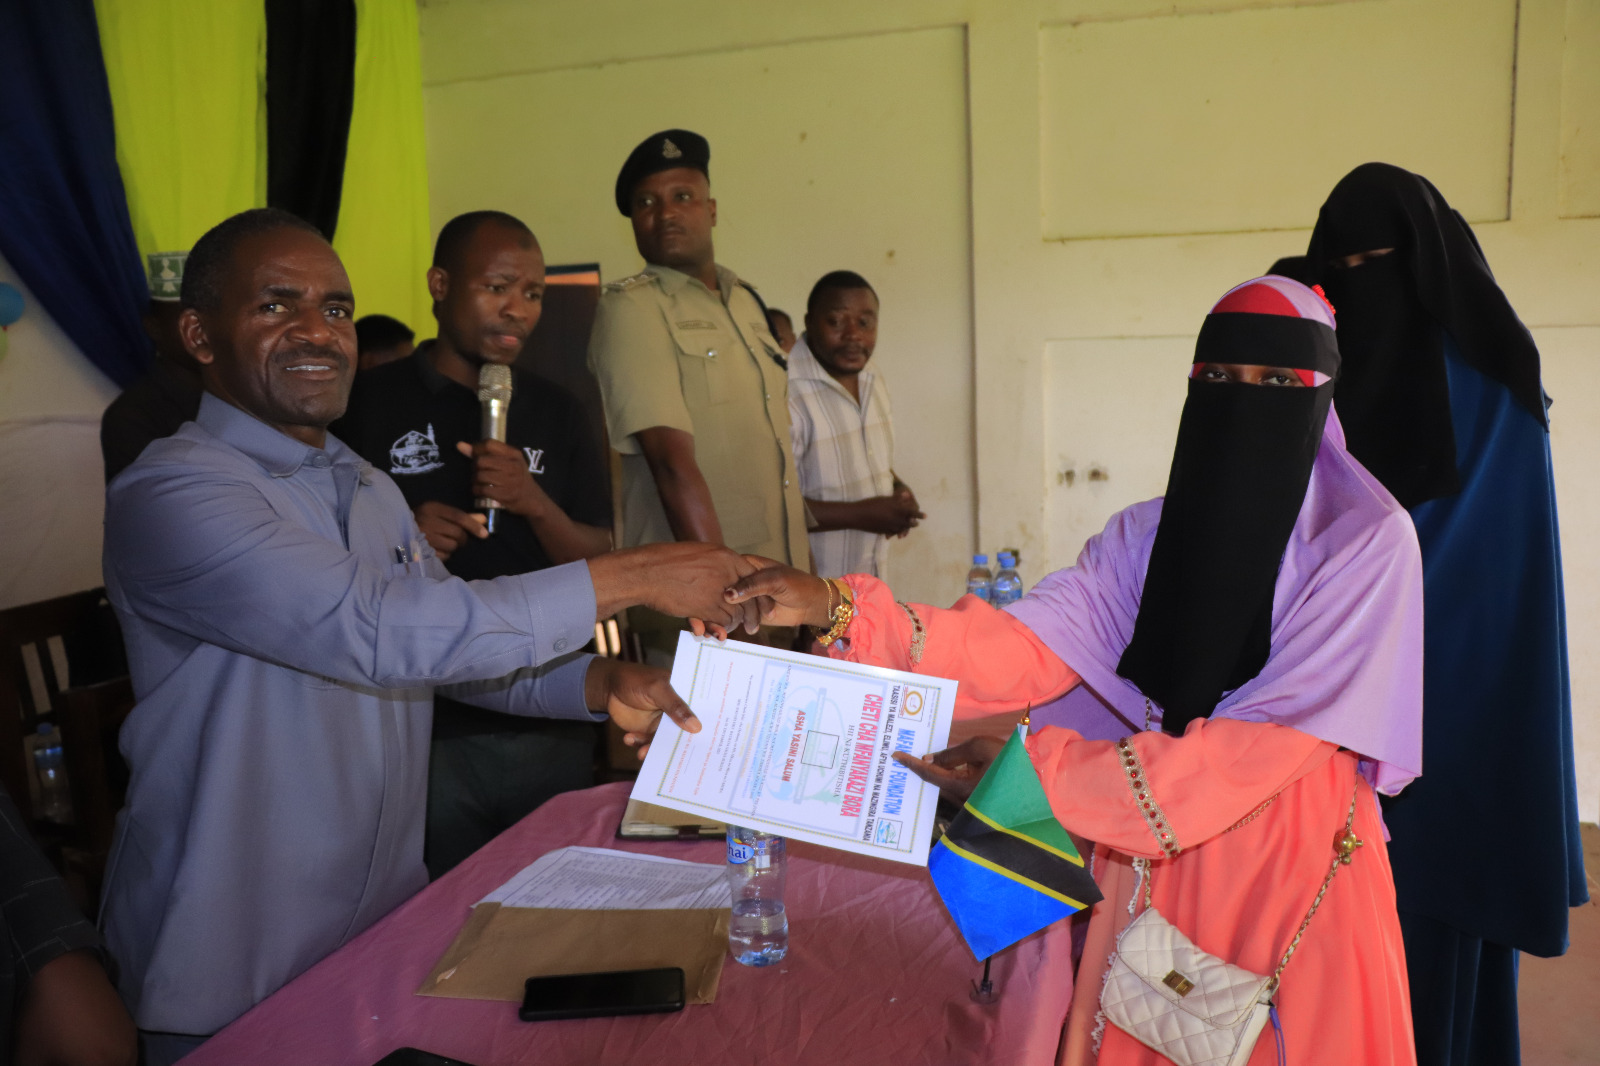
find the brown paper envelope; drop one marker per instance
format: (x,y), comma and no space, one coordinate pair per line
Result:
(501,947)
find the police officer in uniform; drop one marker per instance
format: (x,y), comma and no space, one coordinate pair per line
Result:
(694,383)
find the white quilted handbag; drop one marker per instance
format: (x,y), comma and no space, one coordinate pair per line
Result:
(1187,1004)
(1183,1002)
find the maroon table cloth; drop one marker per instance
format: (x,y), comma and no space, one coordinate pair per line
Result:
(876,973)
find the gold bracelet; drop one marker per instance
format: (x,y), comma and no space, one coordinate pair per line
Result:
(817,630)
(840,615)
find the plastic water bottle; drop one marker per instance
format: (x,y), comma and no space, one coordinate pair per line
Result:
(55,801)
(979,578)
(1007,587)
(758,934)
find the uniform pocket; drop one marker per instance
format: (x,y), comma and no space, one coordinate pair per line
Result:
(703,356)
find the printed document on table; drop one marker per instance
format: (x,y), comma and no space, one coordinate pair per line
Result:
(800,745)
(599,879)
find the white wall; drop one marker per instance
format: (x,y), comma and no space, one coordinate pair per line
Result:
(892,105)
(1066,186)
(51,476)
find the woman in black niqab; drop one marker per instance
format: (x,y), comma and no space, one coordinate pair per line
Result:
(1441,400)
(1394,399)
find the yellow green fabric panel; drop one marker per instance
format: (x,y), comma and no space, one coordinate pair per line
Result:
(383,234)
(187,91)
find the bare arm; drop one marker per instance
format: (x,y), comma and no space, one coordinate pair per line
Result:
(889,515)
(686,579)
(501,473)
(565,540)
(71,1014)
(683,490)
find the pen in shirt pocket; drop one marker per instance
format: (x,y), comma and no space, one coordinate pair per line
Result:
(407,553)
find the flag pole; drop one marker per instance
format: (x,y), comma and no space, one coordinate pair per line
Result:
(984,993)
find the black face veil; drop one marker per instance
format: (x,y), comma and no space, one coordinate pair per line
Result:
(1394,396)
(1239,475)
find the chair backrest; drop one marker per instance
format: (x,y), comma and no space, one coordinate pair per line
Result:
(90,719)
(46,647)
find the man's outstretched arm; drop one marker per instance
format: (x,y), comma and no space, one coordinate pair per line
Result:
(203,553)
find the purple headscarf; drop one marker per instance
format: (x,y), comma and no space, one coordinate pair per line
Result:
(1346,647)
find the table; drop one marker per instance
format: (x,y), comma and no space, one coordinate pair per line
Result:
(876,973)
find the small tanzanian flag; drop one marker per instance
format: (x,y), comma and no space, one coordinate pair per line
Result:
(1005,868)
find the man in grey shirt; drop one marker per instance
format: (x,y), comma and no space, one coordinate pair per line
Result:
(287,626)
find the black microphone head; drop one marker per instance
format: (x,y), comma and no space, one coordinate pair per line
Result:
(494,383)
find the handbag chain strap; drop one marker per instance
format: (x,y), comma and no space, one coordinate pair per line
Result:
(1345,844)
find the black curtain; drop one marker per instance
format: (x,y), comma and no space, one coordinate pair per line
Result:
(311,81)
(64,223)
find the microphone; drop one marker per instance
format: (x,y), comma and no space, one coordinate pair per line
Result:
(494,393)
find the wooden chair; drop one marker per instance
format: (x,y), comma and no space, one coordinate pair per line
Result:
(45,647)
(90,719)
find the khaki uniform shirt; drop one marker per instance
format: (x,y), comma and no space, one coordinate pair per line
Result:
(669,352)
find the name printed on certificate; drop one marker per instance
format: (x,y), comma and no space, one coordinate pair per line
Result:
(800,746)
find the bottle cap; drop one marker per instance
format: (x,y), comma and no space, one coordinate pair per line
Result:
(980,560)
(1007,561)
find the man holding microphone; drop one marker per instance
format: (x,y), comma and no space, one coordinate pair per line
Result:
(421,420)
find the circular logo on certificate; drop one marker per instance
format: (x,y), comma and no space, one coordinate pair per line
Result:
(913,705)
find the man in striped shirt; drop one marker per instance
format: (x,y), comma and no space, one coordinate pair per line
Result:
(843,432)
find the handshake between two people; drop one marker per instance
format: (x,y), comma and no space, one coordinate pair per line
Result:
(712,586)
(706,583)
(788,597)
(720,591)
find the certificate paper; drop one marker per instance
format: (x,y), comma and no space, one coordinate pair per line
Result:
(800,746)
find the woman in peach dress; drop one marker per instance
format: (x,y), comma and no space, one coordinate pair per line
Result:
(1230,667)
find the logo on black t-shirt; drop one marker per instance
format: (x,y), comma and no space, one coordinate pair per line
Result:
(414,453)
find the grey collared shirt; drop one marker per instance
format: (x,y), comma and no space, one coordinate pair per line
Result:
(287,626)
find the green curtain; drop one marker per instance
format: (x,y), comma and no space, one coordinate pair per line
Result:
(187,81)
(383,233)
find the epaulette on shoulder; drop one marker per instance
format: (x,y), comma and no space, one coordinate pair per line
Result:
(624,284)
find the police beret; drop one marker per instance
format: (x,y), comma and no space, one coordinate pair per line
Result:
(666,150)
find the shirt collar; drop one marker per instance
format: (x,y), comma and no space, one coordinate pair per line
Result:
(805,366)
(422,355)
(673,281)
(278,453)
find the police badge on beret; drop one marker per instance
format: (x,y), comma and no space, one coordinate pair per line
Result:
(666,150)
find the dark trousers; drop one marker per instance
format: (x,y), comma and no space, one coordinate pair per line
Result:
(1463,995)
(488,771)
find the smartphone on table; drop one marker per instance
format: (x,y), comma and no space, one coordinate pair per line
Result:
(600,995)
(410,1056)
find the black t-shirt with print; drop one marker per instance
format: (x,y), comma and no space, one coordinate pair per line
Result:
(405,419)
